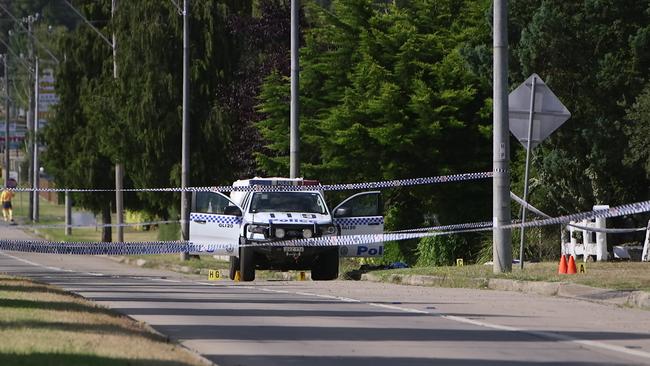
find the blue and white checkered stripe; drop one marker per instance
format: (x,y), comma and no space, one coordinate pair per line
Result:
(349,221)
(103,248)
(220,219)
(265,188)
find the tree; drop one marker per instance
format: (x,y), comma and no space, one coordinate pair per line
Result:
(73,156)
(593,54)
(387,94)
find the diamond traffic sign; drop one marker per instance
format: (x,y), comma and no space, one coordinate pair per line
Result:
(549,112)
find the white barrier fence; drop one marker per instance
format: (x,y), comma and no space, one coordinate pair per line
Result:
(593,243)
(645,255)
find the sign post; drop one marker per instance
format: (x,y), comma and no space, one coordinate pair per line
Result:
(534,113)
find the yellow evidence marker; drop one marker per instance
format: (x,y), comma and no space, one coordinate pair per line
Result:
(213,274)
(459,262)
(582,268)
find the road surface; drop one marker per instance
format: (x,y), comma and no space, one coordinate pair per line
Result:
(349,323)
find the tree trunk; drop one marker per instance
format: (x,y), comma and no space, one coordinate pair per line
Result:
(106,220)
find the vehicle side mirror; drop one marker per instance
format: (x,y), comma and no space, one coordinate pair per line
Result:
(232,210)
(342,212)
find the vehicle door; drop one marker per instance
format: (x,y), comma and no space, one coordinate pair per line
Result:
(215,223)
(360,214)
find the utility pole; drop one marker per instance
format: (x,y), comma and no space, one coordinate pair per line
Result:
(36,164)
(5,59)
(294,146)
(30,119)
(119,167)
(502,241)
(185,155)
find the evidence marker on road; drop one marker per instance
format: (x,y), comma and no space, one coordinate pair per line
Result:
(213,274)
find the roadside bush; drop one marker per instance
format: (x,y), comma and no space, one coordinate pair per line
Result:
(169,232)
(440,250)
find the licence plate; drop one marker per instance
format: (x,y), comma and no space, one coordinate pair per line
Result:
(294,249)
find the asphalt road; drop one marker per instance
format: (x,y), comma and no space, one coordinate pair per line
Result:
(350,323)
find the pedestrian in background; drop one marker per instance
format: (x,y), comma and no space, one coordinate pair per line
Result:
(7,210)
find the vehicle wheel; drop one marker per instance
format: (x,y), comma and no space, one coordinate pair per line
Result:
(246,264)
(234,267)
(326,267)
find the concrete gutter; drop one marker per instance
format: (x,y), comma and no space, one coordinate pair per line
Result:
(635,299)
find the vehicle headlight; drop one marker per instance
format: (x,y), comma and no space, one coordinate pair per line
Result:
(307,233)
(257,229)
(280,233)
(330,229)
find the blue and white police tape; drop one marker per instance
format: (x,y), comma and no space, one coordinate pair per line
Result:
(362,239)
(162,247)
(167,247)
(580,227)
(622,210)
(264,188)
(104,248)
(470,225)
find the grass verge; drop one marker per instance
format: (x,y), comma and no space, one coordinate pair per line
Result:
(610,275)
(44,325)
(53,213)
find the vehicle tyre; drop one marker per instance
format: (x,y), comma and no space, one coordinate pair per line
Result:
(326,267)
(246,264)
(234,267)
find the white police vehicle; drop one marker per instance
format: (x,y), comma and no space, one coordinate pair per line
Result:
(222,222)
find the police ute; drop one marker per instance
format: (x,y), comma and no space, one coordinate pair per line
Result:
(223,225)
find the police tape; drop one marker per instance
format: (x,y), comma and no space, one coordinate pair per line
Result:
(100,248)
(81,226)
(622,210)
(471,225)
(578,226)
(362,239)
(166,247)
(287,188)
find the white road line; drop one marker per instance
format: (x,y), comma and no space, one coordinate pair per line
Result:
(460,319)
(173,281)
(542,334)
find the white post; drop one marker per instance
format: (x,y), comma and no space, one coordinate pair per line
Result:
(601,238)
(645,256)
(68,214)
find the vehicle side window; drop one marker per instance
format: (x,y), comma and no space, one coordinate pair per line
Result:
(208,202)
(362,205)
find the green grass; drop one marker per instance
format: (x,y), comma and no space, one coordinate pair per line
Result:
(44,325)
(173,262)
(53,213)
(610,275)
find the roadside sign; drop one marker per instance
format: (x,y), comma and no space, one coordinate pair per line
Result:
(549,112)
(213,274)
(582,268)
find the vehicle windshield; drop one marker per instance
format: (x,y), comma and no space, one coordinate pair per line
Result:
(288,202)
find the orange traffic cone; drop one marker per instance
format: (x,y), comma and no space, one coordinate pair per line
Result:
(572,266)
(562,268)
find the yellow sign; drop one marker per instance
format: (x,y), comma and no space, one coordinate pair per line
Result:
(213,274)
(459,262)
(582,268)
